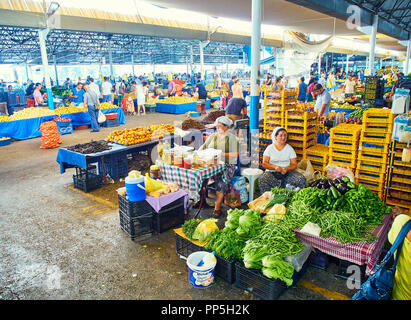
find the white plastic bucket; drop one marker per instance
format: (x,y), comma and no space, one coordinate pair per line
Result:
(200,277)
(135,189)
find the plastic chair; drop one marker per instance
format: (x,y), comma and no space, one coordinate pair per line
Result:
(251,174)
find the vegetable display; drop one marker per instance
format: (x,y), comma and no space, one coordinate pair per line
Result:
(205,230)
(227,244)
(247,223)
(190,226)
(279,195)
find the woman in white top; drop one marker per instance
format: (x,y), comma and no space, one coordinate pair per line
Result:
(142,91)
(280,162)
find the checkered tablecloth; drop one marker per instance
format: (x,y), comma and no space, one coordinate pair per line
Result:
(187,179)
(357,252)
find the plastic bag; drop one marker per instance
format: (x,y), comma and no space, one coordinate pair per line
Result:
(232,199)
(334,171)
(306,169)
(205,230)
(101,117)
(50,135)
(152,185)
(239,184)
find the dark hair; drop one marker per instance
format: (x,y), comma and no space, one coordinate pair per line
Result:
(79,83)
(144,83)
(233,77)
(133,82)
(282,129)
(9,86)
(91,80)
(198,81)
(302,79)
(317,86)
(38,84)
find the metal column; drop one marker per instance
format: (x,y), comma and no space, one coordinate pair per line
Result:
(132,65)
(55,70)
(373,39)
(319,65)
(407,58)
(202,60)
(110,58)
(347,66)
(256,8)
(27,72)
(42,39)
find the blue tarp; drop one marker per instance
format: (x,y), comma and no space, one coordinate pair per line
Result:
(30,128)
(176,108)
(23,129)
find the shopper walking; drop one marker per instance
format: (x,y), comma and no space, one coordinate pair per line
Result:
(92,105)
(93,86)
(302,90)
(349,87)
(310,94)
(107,90)
(142,91)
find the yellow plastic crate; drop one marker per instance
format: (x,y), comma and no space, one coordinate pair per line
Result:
(375,138)
(379,159)
(369,176)
(302,137)
(374,150)
(318,150)
(342,161)
(343,153)
(370,166)
(301,130)
(401,180)
(344,145)
(301,144)
(377,128)
(377,115)
(406,172)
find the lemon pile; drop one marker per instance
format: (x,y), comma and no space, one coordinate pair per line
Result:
(176,100)
(4,118)
(107,105)
(30,113)
(66,110)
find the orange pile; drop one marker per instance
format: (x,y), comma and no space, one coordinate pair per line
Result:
(137,135)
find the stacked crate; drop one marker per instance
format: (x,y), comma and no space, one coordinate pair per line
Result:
(318,156)
(374,149)
(275,106)
(302,128)
(398,180)
(344,141)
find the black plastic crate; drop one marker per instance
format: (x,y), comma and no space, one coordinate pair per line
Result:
(115,165)
(91,168)
(170,216)
(133,209)
(87,182)
(225,269)
(319,260)
(137,228)
(111,123)
(253,281)
(185,247)
(342,272)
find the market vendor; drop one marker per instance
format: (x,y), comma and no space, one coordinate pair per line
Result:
(227,142)
(322,106)
(77,94)
(236,109)
(280,162)
(38,97)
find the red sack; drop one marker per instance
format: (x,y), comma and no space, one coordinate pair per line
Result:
(50,135)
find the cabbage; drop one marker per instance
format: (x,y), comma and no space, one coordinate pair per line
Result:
(276,268)
(254,252)
(205,230)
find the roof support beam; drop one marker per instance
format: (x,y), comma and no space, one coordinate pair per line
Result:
(338,9)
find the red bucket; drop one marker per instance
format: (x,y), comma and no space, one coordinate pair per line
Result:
(110,116)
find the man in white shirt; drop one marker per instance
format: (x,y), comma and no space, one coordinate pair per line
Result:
(322,80)
(94,87)
(349,87)
(322,106)
(106,90)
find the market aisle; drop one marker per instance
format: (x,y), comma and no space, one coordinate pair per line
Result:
(56,243)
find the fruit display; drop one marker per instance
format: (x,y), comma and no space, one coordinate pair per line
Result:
(67,110)
(152,100)
(107,105)
(337,104)
(192,124)
(137,135)
(61,119)
(4,118)
(176,100)
(209,87)
(30,113)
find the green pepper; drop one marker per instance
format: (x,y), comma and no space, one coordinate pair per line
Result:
(346,179)
(336,194)
(350,185)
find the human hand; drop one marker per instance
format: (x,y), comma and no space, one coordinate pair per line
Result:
(278,168)
(284,171)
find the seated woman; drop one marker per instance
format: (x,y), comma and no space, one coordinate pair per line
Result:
(280,162)
(227,142)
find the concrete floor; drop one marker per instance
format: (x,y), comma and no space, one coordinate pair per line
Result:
(58,243)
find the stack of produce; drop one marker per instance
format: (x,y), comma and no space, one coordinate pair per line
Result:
(190,124)
(50,135)
(90,147)
(302,128)
(213,115)
(107,105)
(30,113)
(4,118)
(318,156)
(398,179)
(344,141)
(176,100)
(356,116)
(61,119)
(275,106)
(137,135)
(157,188)
(67,110)
(60,92)
(374,148)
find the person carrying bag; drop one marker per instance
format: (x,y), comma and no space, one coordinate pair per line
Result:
(92,103)
(379,285)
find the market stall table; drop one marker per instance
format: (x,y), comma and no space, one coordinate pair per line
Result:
(359,253)
(23,129)
(82,118)
(194,181)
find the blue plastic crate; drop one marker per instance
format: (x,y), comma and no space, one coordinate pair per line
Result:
(111,123)
(64,127)
(5,142)
(115,165)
